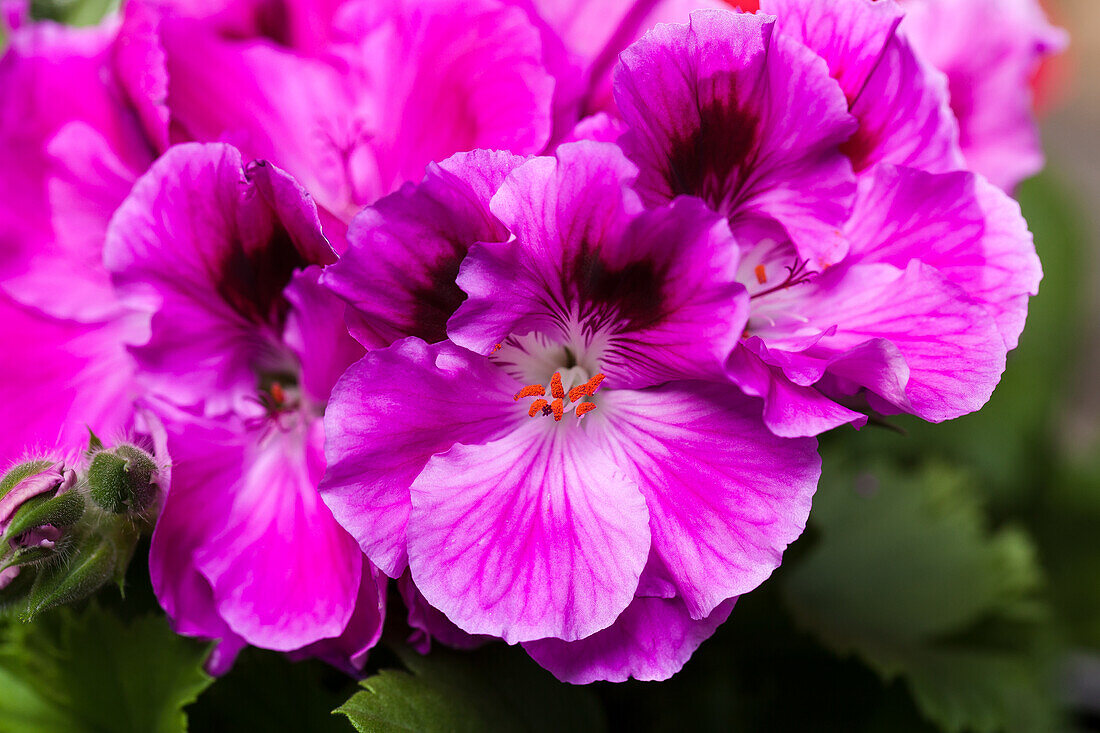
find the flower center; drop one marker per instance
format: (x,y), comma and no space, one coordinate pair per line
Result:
(797,272)
(279,396)
(575,399)
(770,271)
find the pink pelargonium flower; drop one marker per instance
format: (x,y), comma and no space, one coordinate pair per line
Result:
(560,472)
(240,351)
(990,51)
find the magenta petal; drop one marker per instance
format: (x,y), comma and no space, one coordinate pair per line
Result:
(651,640)
(203,248)
(790,410)
(54,78)
(87,182)
(185,524)
(535,535)
(268,102)
(558,209)
(345,126)
(76,376)
(317,334)
(663,283)
(589,35)
(901,103)
(139,63)
(747,119)
(349,650)
(725,496)
(950,352)
(223,655)
(429,624)
(388,415)
(904,116)
(282,573)
(479,81)
(849,34)
(958,223)
(399,271)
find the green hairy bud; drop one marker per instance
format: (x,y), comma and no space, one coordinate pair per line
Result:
(123,480)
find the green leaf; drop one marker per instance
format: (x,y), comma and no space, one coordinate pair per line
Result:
(91,673)
(497,688)
(907,576)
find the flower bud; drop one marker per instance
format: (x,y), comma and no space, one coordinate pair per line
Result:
(123,480)
(94,560)
(35,505)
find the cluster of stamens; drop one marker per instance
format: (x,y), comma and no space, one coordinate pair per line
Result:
(557,391)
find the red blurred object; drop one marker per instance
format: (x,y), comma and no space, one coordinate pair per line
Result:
(1055,73)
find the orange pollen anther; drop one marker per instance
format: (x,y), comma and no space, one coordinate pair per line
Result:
(496,348)
(531,390)
(559,409)
(278,393)
(557,390)
(761,274)
(587,389)
(555,386)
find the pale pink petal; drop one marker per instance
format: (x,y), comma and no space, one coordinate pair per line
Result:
(966,228)
(725,495)
(535,535)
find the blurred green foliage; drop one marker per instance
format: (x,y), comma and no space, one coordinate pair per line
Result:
(90,672)
(907,576)
(73,12)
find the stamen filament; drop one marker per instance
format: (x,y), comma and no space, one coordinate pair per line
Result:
(796,275)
